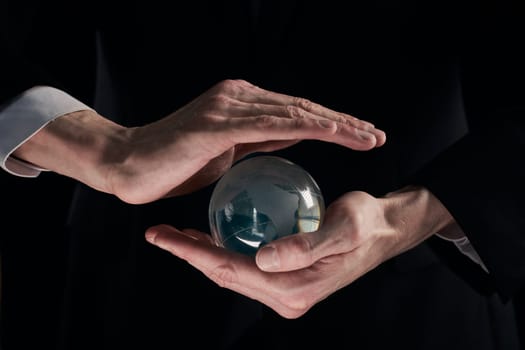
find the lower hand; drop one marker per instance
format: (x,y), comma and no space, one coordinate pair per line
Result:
(292,274)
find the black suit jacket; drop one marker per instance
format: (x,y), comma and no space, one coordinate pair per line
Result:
(441,79)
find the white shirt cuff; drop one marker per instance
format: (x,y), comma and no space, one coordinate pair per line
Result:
(24,116)
(464,245)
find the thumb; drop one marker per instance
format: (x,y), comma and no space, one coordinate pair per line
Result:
(289,253)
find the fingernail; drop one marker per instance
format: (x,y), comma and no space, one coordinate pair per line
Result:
(150,237)
(267,258)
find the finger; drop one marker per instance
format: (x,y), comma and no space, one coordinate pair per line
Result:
(290,294)
(266,127)
(196,248)
(260,99)
(228,269)
(233,107)
(252,94)
(160,235)
(198,235)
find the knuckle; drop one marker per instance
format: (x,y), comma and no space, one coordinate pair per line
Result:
(226,84)
(304,103)
(218,101)
(232,86)
(300,245)
(295,112)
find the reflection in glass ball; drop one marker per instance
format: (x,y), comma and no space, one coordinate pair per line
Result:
(261,199)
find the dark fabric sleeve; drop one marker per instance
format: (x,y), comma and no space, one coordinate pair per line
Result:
(481,178)
(46,43)
(18,74)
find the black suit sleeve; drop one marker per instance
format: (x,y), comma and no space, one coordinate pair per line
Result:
(46,43)
(481,178)
(18,74)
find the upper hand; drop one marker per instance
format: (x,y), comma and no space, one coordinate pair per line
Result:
(191,147)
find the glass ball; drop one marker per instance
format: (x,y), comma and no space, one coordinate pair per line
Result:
(260,199)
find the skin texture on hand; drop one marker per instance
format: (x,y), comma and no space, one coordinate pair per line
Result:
(193,146)
(292,274)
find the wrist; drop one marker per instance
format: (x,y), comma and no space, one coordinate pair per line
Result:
(415,214)
(82,145)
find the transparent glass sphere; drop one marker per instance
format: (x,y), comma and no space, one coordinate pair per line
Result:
(261,199)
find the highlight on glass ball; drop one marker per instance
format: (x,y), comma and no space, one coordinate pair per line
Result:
(261,199)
